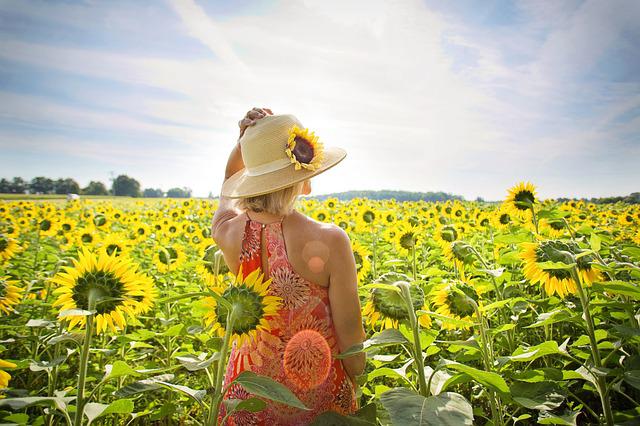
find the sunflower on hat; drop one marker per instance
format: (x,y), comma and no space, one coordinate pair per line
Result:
(304,149)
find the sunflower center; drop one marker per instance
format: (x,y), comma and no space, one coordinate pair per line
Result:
(303,150)
(407,240)
(358,259)
(322,216)
(106,284)
(113,247)
(556,225)
(45,225)
(86,238)
(368,216)
(249,309)
(391,304)
(449,233)
(524,199)
(505,218)
(461,304)
(167,255)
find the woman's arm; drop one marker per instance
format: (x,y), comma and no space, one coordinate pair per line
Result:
(226,209)
(344,301)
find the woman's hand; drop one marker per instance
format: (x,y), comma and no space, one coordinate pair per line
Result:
(251,117)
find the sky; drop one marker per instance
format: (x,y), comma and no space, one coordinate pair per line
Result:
(465,97)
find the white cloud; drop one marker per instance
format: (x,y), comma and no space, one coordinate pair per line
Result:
(374,77)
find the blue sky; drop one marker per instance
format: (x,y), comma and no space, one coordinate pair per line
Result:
(466,97)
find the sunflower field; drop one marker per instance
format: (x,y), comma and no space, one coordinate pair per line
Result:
(522,312)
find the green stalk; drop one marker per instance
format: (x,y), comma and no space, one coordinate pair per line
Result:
(216,397)
(487,356)
(84,360)
(417,348)
(373,263)
(535,219)
(597,361)
(413,250)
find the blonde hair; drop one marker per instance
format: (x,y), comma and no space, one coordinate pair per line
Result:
(280,202)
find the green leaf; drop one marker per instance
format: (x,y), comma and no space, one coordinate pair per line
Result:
(331,418)
(193,363)
(618,287)
(569,418)
(537,396)
(118,369)
(389,336)
(20,403)
(268,388)
(196,395)
(632,377)
(555,265)
(595,242)
(75,312)
(534,352)
(548,318)
(94,410)
(250,404)
(407,408)
(487,378)
(145,385)
(173,331)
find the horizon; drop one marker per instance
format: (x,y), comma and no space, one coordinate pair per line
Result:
(464,98)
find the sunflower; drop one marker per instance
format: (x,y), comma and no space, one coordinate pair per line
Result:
(48,226)
(552,228)
(459,254)
(115,243)
(252,304)
(168,257)
(554,280)
(521,199)
(114,281)
(502,217)
(361,255)
(455,299)
(87,236)
(9,294)
(342,220)
(321,215)
(8,247)
(406,238)
(4,376)
(388,307)
(141,231)
(206,267)
(304,149)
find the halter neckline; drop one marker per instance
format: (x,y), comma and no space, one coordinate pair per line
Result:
(262,223)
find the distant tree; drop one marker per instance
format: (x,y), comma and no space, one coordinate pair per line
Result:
(95,188)
(125,185)
(40,185)
(66,186)
(18,186)
(179,193)
(5,186)
(153,193)
(479,199)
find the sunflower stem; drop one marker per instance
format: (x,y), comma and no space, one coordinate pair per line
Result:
(84,358)
(373,263)
(535,218)
(216,397)
(601,384)
(413,249)
(417,347)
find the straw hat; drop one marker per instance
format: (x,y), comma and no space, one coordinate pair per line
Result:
(278,152)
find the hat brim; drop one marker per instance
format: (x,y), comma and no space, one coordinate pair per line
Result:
(241,185)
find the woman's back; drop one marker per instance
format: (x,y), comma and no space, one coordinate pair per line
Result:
(294,252)
(307,242)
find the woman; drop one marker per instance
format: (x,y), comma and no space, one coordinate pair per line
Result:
(310,264)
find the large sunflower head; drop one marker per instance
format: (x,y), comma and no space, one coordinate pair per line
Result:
(456,300)
(10,294)
(389,307)
(252,307)
(406,237)
(114,285)
(556,280)
(304,149)
(520,199)
(8,247)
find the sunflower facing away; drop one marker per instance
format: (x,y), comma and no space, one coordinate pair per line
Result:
(9,295)
(119,287)
(254,305)
(556,280)
(455,299)
(520,200)
(4,376)
(8,247)
(388,308)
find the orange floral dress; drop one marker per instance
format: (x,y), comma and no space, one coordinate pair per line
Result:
(305,305)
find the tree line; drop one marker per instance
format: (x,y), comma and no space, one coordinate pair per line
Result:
(122,185)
